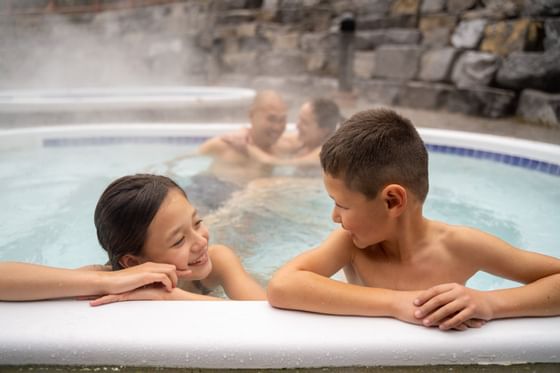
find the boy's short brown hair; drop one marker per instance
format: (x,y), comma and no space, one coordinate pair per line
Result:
(375,148)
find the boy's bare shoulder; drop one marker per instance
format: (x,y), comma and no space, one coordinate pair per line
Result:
(460,238)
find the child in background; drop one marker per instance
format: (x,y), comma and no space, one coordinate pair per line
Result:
(157,247)
(397,262)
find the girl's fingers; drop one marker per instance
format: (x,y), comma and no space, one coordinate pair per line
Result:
(106,299)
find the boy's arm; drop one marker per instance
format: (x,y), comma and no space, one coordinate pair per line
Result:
(25,281)
(304,284)
(228,272)
(539,297)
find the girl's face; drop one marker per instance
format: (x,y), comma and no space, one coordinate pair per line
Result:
(177,236)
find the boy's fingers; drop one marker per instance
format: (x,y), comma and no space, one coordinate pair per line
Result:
(430,293)
(460,318)
(433,304)
(442,313)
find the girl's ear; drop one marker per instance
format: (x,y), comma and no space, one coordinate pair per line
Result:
(395,197)
(129,260)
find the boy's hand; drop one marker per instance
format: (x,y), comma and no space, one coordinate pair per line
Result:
(452,306)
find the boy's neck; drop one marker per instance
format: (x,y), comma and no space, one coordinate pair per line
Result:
(409,232)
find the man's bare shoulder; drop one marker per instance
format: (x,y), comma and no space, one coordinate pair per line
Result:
(213,146)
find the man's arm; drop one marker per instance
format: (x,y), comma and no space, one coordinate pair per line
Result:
(25,281)
(304,284)
(539,297)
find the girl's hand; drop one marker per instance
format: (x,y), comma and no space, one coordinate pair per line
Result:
(452,306)
(121,281)
(151,292)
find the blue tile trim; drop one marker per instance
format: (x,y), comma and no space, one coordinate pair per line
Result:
(512,160)
(116,140)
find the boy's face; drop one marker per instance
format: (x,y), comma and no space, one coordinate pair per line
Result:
(365,219)
(177,236)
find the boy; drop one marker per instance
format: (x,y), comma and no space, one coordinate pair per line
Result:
(376,171)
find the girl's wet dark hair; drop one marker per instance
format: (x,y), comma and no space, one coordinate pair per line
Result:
(125,210)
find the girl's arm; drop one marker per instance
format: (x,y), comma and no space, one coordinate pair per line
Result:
(228,272)
(25,281)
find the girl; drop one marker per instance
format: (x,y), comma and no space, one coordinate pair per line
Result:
(157,247)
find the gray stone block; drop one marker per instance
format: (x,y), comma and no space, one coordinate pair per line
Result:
(539,107)
(366,40)
(468,34)
(438,37)
(285,62)
(459,6)
(432,6)
(482,101)
(397,62)
(422,95)
(475,69)
(384,92)
(552,33)
(542,8)
(383,22)
(364,64)
(436,64)
(540,71)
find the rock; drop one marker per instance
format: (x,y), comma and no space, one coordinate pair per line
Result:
(432,6)
(366,40)
(541,8)
(540,71)
(364,64)
(506,37)
(475,69)
(397,62)
(468,34)
(422,95)
(459,6)
(436,21)
(539,107)
(405,7)
(438,37)
(482,101)
(436,64)
(384,92)
(551,33)
(383,22)
(284,62)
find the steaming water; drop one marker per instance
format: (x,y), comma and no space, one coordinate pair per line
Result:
(48,196)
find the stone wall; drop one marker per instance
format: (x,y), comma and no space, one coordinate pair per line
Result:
(493,58)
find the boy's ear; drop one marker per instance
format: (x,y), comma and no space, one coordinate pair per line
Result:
(129,260)
(395,198)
